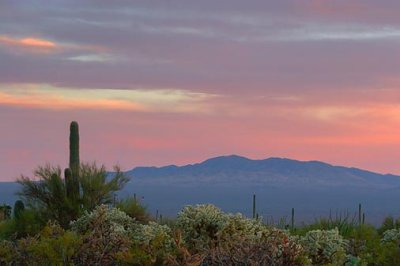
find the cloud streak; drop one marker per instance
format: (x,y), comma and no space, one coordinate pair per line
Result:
(46,96)
(30,43)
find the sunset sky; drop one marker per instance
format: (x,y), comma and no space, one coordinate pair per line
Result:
(176,82)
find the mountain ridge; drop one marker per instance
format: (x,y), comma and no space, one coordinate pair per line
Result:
(273,170)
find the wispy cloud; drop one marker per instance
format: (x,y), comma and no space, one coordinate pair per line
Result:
(31,43)
(95,58)
(47,96)
(180,30)
(41,45)
(339,33)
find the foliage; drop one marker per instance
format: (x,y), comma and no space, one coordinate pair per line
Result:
(19,207)
(84,186)
(392,235)
(272,247)
(324,247)
(201,235)
(105,235)
(53,246)
(248,240)
(5,212)
(389,223)
(7,229)
(27,223)
(200,225)
(342,221)
(8,252)
(230,239)
(134,209)
(364,245)
(48,195)
(96,186)
(152,244)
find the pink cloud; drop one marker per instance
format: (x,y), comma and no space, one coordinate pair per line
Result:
(29,43)
(40,45)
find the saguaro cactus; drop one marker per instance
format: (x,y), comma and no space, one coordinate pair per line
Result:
(69,183)
(19,207)
(71,174)
(292,220)
(254,206)
(74,149)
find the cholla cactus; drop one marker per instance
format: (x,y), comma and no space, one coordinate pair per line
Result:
(227,239)
(391,235)
(152,244)
(237,226)
(119,221)
(153,234)
(105,235)
(325,246)
(200,225)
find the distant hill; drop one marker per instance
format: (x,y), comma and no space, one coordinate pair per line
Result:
(313,188)
(235,169)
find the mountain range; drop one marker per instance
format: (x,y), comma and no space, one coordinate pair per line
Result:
(313,188)
(235,169)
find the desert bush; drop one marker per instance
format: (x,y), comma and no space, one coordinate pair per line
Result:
(226,239)
(324,247)
(391,235)
(200,225)
(134,209)
(8,252)
(236,226)
(363,245)
(105,235)
(47,193)
(52,246)
(389,223)
(271,247)
(343,222)
(28,223)
(152,244)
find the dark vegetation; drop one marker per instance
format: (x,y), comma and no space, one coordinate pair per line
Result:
(73,217)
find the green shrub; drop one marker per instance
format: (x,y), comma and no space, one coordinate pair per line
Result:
(343,223)
(392,235)
(226,239)
(270,247)
(200,225)
(152,244)
(8,253)
(53,246)
(105,235)
(27,223)
(364,244)
(324,247)
(134,209)
(389,223)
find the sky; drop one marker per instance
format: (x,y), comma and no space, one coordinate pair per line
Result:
(162,82)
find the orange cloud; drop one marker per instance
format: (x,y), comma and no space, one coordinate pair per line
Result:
(59,103)
(37,43)
(50,97)
(33,44)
